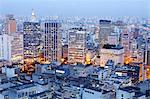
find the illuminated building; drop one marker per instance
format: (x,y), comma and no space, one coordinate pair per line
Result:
(10,24)
(88,58)
(112,52)
(32,40)
(76,45)
(11,47)
(147,53)
(125,42)
(32,37)
(52,41)
(65,51)
(131,70)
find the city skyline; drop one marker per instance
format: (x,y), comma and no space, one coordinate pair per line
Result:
(74,49)
(139,8)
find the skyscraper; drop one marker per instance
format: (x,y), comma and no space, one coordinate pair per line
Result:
(76,45)
(125,42)
(105,30)
(32,40)
(148,58)
(10,24)
(52,41)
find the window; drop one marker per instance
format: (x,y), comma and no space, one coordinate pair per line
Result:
(26,94)
(121,96)
(6,97)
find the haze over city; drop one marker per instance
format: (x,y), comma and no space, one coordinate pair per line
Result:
(74,49)
(113,8)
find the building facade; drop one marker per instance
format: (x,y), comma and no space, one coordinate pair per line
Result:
(52,41)
(77,45)
(105,30)
(11,47)
(11,24)
(112,52)
(32,40)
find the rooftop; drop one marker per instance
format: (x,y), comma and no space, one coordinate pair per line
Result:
(130,89)
(39,94)
(24,86)
(116,47)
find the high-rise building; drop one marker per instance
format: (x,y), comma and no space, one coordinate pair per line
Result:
(125,42)
(11,26)
(11,47)
(65,51)
(32,40)
(77,45)
(52,41)
(148,58)
(96,32)
(105,30)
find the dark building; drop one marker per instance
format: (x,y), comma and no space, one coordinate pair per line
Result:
(105,30)
(148,58)
(52,41)
(131,71)
(64,51)
(32,40)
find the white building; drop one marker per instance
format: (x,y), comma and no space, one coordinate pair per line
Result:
(76,45)
(9,71)
(11,47)
(112,52)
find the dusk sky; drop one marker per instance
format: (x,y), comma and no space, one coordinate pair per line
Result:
(77,7)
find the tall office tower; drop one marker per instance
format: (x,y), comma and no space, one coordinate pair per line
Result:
(148,58)
(32,40)
(11,47)
(77,45)
(105,30)
(52,41)
(96,32)
(125,42)
(10,24)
